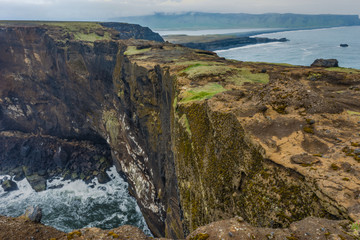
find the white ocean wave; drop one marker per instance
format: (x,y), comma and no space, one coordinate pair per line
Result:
(76,204)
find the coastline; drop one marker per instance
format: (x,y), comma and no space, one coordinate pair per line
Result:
(303,48)
(227,41)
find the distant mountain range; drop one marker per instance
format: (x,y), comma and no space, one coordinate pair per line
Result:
(198,20)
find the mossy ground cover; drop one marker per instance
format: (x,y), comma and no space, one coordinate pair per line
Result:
(200,93)
(245,75)
(132,50)
(352,113)
(279,64)
(186,66)
(202,69)
(83,31)
(185,123)
(236,75)
(345,70)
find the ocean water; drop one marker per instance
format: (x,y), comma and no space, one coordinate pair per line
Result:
(304,47)
(76,204)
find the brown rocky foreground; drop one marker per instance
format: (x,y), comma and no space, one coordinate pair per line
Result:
(198,137)
(235,228)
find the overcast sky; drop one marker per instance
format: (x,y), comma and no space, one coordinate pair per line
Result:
(104,9)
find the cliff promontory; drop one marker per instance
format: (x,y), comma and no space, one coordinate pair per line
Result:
(199,138)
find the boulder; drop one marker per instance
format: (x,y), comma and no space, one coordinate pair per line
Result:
(304,159)
(37,182)
(325,63)
(344,45)
(18,174)
(33,213)
(9,185)
(357,151)
(103,177)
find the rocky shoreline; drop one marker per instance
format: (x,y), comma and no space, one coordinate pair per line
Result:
(41,158)
(218,42)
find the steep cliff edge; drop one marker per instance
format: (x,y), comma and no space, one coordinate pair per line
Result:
(199,138)
(65,86)
(271,143)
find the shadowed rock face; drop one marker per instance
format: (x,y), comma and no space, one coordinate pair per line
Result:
(199,138)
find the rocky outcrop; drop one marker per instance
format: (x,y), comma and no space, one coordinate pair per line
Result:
(39,157)
(325,63)
(33,213)
(135,31)
(8,185)
(198,138)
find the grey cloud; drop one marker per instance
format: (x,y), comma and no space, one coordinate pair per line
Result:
(105,9)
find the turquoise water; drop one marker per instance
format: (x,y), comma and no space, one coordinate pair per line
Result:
(69,205)
(304,47)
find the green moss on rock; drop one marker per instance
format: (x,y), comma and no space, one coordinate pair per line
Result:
(222,174)
(200,236)
(201,93)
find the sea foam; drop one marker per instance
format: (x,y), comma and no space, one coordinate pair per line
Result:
(69,205)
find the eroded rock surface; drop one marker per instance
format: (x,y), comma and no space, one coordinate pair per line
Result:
(309,228)
(234,228)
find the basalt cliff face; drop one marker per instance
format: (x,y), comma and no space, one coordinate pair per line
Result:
(198,138)
(64,105)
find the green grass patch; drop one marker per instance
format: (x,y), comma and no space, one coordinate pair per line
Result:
(175,103)
(352,113)
(201,93)
(199,70)
(193,66)
(131,50)
(345,70)
(196,69)
(279,64)
(185,123)
(73,26)
(190,64)
(91,37)
(227,73)
(245,75)
(82,31)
